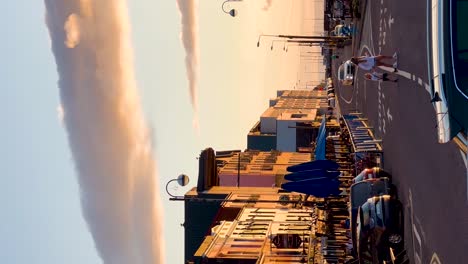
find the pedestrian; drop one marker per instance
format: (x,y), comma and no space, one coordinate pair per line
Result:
(370,62)
(376,76)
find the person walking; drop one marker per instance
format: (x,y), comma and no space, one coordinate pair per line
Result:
(370,62)
(376,76)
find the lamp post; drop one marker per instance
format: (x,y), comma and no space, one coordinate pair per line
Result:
(300,45)
(182,180)
(263,35)
(292,37)
(276,40)
(232,12)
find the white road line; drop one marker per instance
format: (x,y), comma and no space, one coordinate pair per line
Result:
(420,81)
(391,20)
(407,75)
(417,258)
(435,259)
(414,233)
(465,157)
(428,88)
(344,99)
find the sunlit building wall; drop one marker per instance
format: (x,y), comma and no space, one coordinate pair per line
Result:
(257,168)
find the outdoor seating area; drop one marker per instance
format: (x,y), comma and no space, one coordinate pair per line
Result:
(332,237)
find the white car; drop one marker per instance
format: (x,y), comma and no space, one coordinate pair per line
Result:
(447,42)
(346,73)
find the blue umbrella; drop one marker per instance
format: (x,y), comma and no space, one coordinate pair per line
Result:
(329,188)
(311,174)
(321,141)
(313,165)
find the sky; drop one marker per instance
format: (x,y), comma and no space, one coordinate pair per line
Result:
(42,219)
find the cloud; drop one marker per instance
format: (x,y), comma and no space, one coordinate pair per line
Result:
(268,4)
(107,134)
(72,30)
(60,114)
(189,36)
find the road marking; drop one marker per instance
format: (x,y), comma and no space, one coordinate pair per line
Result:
(407,75)
(435,259)
(390,117)
(344,99)
(465,157)
(414,234)
(428,88)
(391,20)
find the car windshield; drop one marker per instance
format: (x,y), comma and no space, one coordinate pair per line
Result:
(359,178)
(460,44)
(341,73)
(366,215)
(379,211)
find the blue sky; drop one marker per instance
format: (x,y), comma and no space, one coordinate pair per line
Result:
(41,217)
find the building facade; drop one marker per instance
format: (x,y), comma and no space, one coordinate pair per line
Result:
(258,226)
(257,168)
(287,124)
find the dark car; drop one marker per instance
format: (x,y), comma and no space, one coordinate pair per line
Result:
(371,173)
(360,193)
(379,227)
(447,42)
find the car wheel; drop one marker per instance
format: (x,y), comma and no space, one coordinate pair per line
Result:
(395,239)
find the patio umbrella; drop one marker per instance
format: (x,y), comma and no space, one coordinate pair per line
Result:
(312,174)
(322,190)
(321,141)
(313,165)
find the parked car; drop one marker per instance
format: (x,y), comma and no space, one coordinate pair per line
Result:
(371,173)
(343,30)
(379,227)
(447,42)
(346,73)
(360,193)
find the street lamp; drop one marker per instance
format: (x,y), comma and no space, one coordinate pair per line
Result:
(182,180)
(263,35)
(298,45)
(231,12)
(303,37)
(276,40)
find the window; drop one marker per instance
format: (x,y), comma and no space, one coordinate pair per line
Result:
(298,115)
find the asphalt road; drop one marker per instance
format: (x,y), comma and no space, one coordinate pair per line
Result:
(431,178)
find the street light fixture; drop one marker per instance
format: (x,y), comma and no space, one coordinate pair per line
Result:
(276,40)
(182,180)
(232,12)
(263,35)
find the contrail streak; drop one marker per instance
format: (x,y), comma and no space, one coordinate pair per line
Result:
(107,134)
(189,36)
